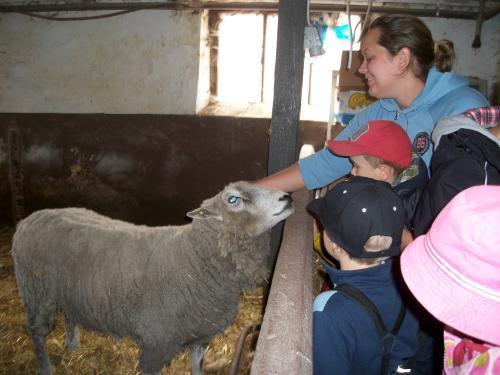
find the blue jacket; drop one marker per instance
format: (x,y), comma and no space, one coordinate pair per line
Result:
(444,94)
(345,340)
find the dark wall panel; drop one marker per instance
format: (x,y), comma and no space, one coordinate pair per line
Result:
(148,169)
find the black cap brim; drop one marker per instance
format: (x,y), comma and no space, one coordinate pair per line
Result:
(314,207)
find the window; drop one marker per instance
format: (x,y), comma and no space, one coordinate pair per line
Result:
(243,51)
(240,57)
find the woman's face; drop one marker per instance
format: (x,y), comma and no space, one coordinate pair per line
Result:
(379,67)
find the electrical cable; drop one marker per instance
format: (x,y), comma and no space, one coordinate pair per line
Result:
(367,16)
(348,10)
(51,18)
(356,27)
(307,14)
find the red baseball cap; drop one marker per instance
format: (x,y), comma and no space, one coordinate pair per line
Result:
(379,138)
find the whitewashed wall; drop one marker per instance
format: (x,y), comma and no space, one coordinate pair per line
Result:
(483,62)
(204,65)
(150,61)
(142,62)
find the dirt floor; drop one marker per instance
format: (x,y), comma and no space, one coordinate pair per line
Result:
(102,355)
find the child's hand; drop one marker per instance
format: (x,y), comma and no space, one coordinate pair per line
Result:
(406,238)
(495,130)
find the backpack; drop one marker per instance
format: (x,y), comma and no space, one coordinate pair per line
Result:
(387,338)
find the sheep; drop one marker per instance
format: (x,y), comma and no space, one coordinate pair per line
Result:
(167,287)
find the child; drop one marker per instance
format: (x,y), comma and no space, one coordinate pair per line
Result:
(363,220)
(466,153)
(454,271)
(381,150)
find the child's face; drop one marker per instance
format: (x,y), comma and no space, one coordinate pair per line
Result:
(361,167)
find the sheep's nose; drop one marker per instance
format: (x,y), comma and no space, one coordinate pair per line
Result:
(286,197)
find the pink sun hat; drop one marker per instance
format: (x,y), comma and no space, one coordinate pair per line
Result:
(454,269)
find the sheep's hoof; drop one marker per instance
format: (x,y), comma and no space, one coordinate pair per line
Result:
(45,370)
(72,346)
(72,340)
(197,353)
(72,343)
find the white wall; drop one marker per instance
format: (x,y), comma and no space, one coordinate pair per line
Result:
(204,67)
(150,61)
(483,62)
(142,62)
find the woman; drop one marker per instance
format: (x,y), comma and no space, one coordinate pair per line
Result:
(398,64)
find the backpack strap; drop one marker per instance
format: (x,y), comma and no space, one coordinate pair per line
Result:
(387,339)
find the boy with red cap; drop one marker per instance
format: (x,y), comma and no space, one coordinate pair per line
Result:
(381,150)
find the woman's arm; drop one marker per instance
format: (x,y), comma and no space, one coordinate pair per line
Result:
(318,169)
(288,179)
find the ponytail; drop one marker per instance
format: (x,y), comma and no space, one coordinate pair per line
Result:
(444,55)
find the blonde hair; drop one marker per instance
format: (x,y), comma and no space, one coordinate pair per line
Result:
(376,162)
(374,244)
(378,243)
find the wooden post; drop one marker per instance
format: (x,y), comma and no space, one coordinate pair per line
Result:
(288,72)
(287,84)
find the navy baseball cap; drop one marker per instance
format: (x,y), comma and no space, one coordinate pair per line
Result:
(357,209)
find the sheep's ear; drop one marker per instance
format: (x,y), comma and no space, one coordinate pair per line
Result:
(203,213)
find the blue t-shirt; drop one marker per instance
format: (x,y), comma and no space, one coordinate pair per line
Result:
(345,340)
(444,94)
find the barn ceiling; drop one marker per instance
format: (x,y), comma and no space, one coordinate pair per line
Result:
(435,7)
(467,9)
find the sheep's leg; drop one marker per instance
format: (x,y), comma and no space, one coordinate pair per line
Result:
(42,357)
(38,331)
(72,340)
(151,362)
(197,353)
(40,323)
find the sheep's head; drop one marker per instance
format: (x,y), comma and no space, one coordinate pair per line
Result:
(251,208)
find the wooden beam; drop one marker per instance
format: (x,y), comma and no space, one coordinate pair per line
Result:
(443,12)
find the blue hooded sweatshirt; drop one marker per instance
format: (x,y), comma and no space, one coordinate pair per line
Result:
(444,94)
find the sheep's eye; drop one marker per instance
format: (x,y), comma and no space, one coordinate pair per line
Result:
(233,199)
